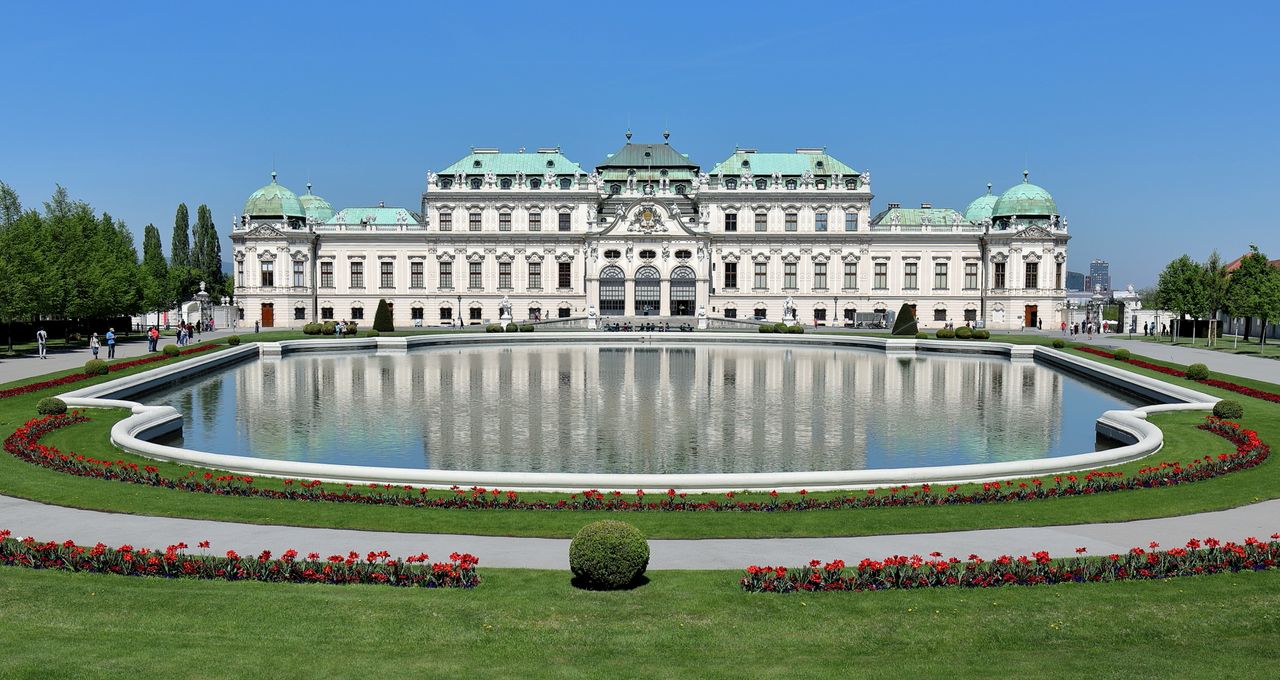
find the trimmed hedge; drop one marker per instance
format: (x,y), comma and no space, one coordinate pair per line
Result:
(233,340)
(1122,354)
(1059,344)
(1197,372)
(981,334)
(905,322)
(945,334)
(922,336)
(312,328)
(329,327)
(51,406)
(493,328)
(964,333)
(796,329)
(99,367)
(1228,410)
(382,318)
(171,350)
(511,327)
(608,555)
(372,333)
(768,328)
(526,328)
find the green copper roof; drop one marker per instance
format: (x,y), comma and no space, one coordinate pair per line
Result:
(647,156)
(375,215)
(648,175)
(980,208)
(273,200)
(316,208)
(919,216)
(531,164)
(1024,200)
(764,164)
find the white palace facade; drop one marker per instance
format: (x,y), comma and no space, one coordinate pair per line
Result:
(647,231)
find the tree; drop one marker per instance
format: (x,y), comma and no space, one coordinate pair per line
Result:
(156,295)
(1254,290)
(905,324)
(10,206)
(1181,289)
(180,244)
(207,255)
(24,277)
(1216,280)
(382,318)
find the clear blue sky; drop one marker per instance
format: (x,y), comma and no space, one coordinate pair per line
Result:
(1154,124)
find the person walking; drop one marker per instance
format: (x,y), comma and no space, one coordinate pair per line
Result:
(1064,327)
(256,326)
(111,343)
(94,344)
(42,339)
(153,339)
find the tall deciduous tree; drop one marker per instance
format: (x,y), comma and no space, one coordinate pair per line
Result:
(1254,291)
(10,206)
(180,243)
(1181,289)
(1216,280)
(24,275)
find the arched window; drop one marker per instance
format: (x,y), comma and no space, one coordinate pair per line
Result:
(662,173)
(680,189)
(505,183)
(615,189)
(566,183)
(535,183)
(791,184)
(648,291)
(551,164)
(476,182)
(475,164)
(731,184)
(762,184)
(684,291)
(613,291)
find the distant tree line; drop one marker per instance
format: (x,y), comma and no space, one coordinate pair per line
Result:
(1203,290)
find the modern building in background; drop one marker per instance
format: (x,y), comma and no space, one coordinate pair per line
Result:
(1100,275)
(648,232)
(1075,281)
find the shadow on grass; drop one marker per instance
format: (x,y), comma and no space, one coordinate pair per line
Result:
(583,584)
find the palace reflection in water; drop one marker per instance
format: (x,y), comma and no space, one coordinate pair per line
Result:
(665,409)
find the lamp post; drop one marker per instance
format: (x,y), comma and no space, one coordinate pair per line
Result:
(835,311)
(459,312)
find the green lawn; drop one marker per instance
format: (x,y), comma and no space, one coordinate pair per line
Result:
(527,623)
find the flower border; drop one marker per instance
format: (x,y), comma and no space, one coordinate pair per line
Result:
(119,366)
(1212,382)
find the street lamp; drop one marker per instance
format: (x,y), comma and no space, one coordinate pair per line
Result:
(459,311)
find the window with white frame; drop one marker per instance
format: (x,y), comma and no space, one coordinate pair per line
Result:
(789,275)
(761,275)
(819,221)
(851,276)
(475,274)
(535,220)
(387,274)
(473,220)
(357,274)
(298,273)
(820,275)
(446,275)
(970,275)
(939,275)
(851,221)
(911,275)
(535,275)
(415,274)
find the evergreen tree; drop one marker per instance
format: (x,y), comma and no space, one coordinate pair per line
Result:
(905,324)
(155,272)
(207,256)
(382,318)
(180,244)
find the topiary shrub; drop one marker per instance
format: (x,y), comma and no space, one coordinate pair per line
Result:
(922,336)
(311,328)
(905,323)
(526,328)
(981,334)
(51,406)
(945,334)
(382,318)
(1197,372)
(96,367)
(796,329)
(767,328)
(1122,354)
(1231,410)
(373,333)
(511,327)
(352,328)
(964,333)
(493,328)
(233,340)
(779,327)
(608,555)
(328,328)
(1059,344)
(170,350)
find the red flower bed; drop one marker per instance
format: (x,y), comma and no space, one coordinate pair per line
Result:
(173,562)
(77,377)
(900,572)
(25,444)
(1223,384)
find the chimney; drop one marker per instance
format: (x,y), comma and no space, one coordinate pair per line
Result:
(381,204)
(894,205)
(926,206)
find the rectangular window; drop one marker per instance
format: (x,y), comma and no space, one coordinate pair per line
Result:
(326,313)
(851,221)
(504,274)
(731,275)
(762,221)
(475,274)
(820,221)
(415,314)
(298,273)
(731,313)
(240,274)
(939,315)
(565,275)
(1057,277)
(820,275)
(535,221)
(910,278)
(386,273)
(731,221)
(446,220)
(791,221)
(415,274)
(446,275)
(446,313)
(299,313)
(939,275)
(788,275)
(357,313)
(473,221)
(970,315)
(882,276)
(819,315)
(851,276)
(563,313)
(268,274)
(326,275)
(357,275)
(999,276)
(762,275)
(535,313)
(1032,278)
(476,313)
(535,275)
(504,221)
(970,275)
(564,221)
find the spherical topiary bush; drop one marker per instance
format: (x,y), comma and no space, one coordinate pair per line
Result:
(95,367)
(608,555)
(922,336)
(372,333)
(329,328)
(1122,354)
(1059,344)
(512,327)
(982,334)
(51,406)
(1197,372)
(493,328)
(767,328)
(170,350)
(945,333)
(233,340)
(796,329)
(1231,410)
(780,327)
(526,328)
(964,333)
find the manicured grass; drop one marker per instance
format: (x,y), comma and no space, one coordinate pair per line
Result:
(527,623)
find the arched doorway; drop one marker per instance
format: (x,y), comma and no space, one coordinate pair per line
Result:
(684,291)
(648,291)
(613,291)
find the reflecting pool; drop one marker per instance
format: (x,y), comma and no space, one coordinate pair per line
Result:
(640,409)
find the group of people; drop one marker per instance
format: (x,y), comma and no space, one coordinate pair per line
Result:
(1150,328)
(186,331)
(95,343)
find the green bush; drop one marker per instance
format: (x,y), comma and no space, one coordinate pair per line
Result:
(96,367)
(780,327)
(51,406)
(311,328)
(1231,410)
(1122,354)
(382,318)
(493,328)
(373,333)
(905,323)
(511,327)
(922,336)
(74,338)
(526,328)
(945,334)
(1059,343)
(796,329)
(352,328)
(170,350)
(608,555)
(1197,372)
(981,334)
(233,340)
(329,327)
(767,328)
(964,333)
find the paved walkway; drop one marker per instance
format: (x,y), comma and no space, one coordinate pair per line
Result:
(1222,362)
(62,358)
(45,522)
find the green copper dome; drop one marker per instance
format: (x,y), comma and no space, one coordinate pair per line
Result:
(981,207)
(1024,200)
(316,208)
(273,200)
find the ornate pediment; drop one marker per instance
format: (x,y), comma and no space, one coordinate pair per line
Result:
(263,231)
(1034,232)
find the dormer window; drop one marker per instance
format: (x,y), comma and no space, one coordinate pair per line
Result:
(631,173)
(680,189)
(475,164)
(535,184)
(762,184)
(818,165)
(446,184)
(791,184)
(476,182)
(505,183)
(551,164)
(731,184)
(822,184)
(566,183)
(746,164)
(615,189)
(648,155)
(851,184)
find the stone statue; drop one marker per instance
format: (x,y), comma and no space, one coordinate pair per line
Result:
(1064,224)
(789,309)
(806,177)
(490,179)
(1053,221)
(777,179)
(894,219)
(703,180)
(866,178)
(596,180)
(591,311)
(504,308)
(431,178)
(746,178)
(703,322)
(549,179)
(202,286)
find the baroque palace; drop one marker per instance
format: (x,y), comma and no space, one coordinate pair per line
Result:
(649,232)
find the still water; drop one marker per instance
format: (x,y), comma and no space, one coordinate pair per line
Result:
(628,409)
